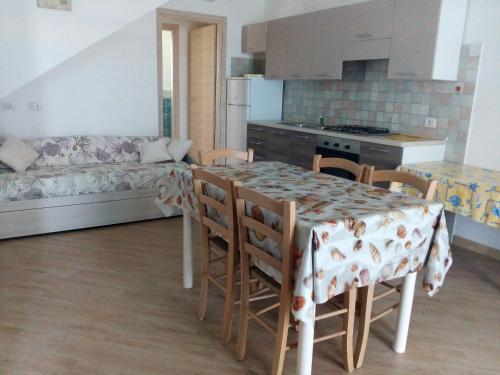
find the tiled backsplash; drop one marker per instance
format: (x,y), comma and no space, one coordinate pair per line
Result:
(365,96)
(242,65)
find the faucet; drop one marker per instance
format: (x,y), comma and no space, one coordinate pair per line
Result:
(322,120)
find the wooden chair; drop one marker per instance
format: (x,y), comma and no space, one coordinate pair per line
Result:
(219,243)
(207,158)
(427,189)
(347,165)
(284,267)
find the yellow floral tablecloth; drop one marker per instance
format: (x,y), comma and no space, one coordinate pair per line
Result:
(463,189)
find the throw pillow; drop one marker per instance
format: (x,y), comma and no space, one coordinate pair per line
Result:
(178,148)
(17,154)
(155,151)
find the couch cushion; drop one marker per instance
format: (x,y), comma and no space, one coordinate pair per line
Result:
(71,150)
(51,182)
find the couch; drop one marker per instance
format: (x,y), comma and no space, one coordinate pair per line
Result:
(83,181)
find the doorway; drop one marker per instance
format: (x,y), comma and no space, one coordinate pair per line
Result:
(187,108)
(167,41)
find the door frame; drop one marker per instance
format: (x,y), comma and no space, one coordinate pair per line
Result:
(169,17)
(174,28)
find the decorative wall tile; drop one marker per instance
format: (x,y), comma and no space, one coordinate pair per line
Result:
(365,96)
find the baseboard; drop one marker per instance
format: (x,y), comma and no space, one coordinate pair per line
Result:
(476,247)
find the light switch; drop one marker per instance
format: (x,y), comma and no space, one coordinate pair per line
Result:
(430,122)
(7,106)
(34,106)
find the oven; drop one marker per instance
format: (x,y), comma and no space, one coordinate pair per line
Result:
(333,147)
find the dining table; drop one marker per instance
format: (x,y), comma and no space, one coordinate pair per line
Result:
(347,234)
(466,190)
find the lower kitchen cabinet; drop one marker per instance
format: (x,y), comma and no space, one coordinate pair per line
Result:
(270,144)
(381,156)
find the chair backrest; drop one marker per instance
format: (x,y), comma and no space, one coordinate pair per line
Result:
(424,186)
(215,204)
(255,222)
(207,158)
(356,169)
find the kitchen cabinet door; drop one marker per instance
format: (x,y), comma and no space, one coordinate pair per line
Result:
(301,35)
(302,149)
(277,48)
(414,40)
(278,145)
(427,39)
(380,156)
(326,43)
(254,38)
(368,20)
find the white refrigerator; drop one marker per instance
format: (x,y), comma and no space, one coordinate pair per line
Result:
(250,99)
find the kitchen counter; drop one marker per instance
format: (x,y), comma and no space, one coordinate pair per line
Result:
(395,140)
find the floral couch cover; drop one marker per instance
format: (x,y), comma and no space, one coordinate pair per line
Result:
(78,165)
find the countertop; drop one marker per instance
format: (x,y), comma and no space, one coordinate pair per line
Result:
(396,140)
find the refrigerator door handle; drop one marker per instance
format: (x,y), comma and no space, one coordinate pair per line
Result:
(239,105)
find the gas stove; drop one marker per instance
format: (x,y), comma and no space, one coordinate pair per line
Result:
(357,129)
(349,129)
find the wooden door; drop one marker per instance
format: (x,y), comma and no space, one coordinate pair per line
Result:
(202,88)
(300,48)
(277,49)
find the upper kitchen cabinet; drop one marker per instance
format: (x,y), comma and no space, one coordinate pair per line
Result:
(277,48)
(301,33)
(427,39)
(315,46)
(254,38)
(368,20)
(326,56)
(367,30)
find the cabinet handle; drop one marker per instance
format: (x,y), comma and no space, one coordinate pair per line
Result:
(302,136)
(298,75)
(407,74)
(256,143)
(378,149)
(324,75)
(364,35)
(258,157)
(277,132)
(257,129)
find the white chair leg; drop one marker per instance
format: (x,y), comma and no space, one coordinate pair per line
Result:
(404,314)
(187,259)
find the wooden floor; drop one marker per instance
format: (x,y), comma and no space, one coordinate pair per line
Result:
(110,301)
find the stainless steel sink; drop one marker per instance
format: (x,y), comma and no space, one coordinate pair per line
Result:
(308,125)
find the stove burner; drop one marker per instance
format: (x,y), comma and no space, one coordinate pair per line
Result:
(357,129)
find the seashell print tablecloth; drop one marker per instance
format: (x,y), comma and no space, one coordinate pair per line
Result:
(463,189)
(347,234)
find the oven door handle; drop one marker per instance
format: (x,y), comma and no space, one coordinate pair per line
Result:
(378,149)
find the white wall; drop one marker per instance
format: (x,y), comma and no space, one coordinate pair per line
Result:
(34,40)
(109,88)
(483,25)
(483,144)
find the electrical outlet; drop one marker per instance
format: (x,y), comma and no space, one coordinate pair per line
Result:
(430,122)
(7,106)
(34,106)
